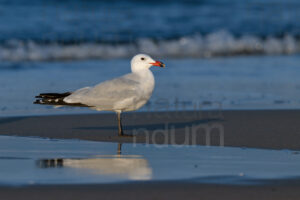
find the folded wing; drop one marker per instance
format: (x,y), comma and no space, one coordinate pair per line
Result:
(109,94)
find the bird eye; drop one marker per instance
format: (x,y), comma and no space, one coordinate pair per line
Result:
(142,58)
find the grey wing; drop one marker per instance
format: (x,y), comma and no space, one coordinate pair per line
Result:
(109,93)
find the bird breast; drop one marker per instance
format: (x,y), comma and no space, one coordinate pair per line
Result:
(147,82)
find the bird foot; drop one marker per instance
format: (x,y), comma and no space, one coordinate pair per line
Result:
(125,135)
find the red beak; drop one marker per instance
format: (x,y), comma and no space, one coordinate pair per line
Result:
(158,64)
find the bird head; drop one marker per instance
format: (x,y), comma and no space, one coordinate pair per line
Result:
(143,61)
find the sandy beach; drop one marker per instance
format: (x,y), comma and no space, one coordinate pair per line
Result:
(269,129)
(218,116)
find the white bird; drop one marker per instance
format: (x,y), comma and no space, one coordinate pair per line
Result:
(126,93)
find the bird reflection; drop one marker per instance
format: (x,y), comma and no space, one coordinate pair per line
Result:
(133,167)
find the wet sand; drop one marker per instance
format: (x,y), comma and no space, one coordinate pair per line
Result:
(153,190)
(270,129)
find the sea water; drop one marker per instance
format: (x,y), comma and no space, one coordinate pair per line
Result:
(219,54)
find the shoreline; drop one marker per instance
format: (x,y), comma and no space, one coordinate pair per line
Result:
(267,129)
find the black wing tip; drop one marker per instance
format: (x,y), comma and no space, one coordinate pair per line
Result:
(51,98)
(53,95)
(55,99)
(37,101)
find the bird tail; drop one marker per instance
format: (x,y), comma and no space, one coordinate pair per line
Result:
(55,99)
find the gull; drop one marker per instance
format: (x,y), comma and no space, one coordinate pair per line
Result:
(126,93)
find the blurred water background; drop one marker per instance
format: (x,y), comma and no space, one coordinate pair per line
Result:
(227,54)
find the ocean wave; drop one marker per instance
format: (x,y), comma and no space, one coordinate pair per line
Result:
(221,43)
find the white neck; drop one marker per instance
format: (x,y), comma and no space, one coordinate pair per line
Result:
(138,67)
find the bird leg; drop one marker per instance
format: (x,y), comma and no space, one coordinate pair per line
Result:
(119,149)
(120,129)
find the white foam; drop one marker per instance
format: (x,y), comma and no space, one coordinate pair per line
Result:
(220,43)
